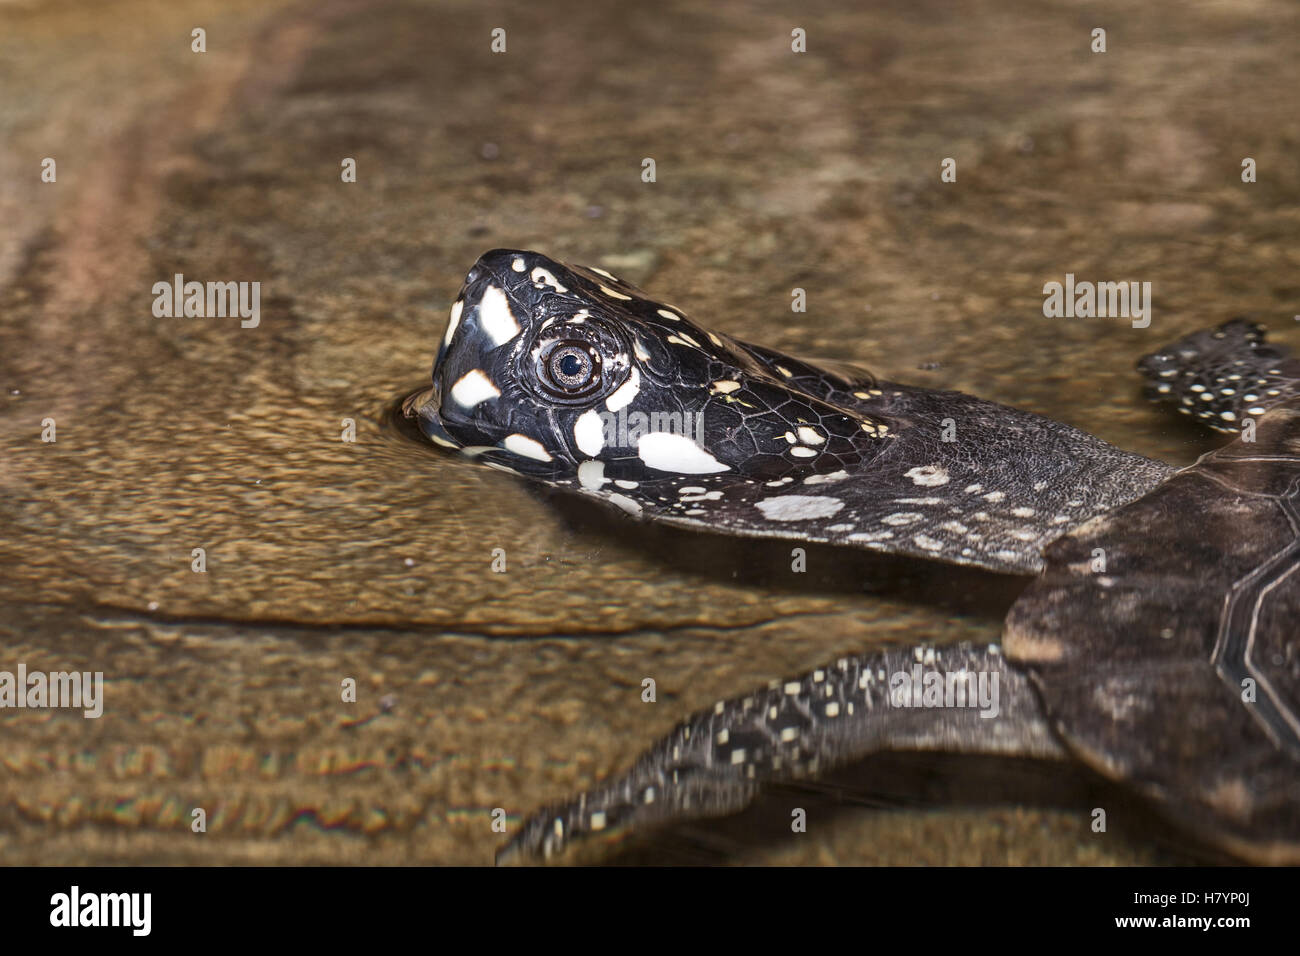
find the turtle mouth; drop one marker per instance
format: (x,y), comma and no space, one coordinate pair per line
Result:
(422,405)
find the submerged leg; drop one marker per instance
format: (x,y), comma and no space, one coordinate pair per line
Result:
(716,762)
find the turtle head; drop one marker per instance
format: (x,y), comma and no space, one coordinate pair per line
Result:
(526,353)
(569,375)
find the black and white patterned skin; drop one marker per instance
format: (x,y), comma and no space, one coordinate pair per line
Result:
(1137,666)
(1222,377)
(775,447)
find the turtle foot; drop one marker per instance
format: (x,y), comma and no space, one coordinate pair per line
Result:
(1224,376)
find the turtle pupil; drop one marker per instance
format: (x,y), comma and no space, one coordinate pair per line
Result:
(570,368)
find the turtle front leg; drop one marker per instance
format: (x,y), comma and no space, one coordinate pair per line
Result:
(717,761)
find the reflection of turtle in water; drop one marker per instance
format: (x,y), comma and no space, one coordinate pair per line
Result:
(1157,643)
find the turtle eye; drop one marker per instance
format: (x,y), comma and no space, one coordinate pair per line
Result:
(570,368)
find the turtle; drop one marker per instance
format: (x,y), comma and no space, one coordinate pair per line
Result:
(1154,642)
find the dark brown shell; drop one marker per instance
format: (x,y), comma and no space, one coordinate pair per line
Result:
(1141,665)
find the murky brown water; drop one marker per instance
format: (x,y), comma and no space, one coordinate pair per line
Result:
(370,560)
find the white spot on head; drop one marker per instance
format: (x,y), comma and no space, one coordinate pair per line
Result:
(591,475)
(617,295)
(672,317)
(995,496)
(456,308)
(624,394)
(810,436)
(798,507)
(624,483)
(930,476)
(589,433)
(626,503)
(518,264)
(527,447)
(542,276)
(664,451)
(495,317)
(801,451)
(725,386)
(472,388)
